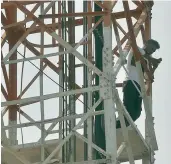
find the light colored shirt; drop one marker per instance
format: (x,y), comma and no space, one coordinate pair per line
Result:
(132,70)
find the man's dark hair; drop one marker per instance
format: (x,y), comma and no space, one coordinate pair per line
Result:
(154,42)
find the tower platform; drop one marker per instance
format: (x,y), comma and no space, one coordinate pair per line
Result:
(31,151)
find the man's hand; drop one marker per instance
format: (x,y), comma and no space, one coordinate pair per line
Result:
(153,62)
(156,62)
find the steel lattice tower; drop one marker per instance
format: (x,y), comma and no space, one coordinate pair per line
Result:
(60,68)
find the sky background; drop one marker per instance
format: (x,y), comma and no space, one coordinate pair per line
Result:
(161,26)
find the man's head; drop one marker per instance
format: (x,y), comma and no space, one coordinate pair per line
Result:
(151,46)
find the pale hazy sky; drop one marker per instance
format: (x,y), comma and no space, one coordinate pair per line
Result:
(161,27)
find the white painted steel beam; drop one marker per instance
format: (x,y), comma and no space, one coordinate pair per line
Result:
(60,40)
(121,117)
(76,53)
(49,96)
(62,142)
(53,120)
(91,144)
(125,133)
(29,118)
(129,119)
(109,107)
(120,149)
(35,57)
(148,111)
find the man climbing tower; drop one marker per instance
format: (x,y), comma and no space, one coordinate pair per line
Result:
(131,97)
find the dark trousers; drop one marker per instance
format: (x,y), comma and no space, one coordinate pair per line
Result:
(132,101)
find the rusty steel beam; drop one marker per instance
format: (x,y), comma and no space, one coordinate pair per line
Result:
(11,16)
(147,36)
(117,15)
(6,5)
(11,13)
(139,4)
(21,23)
(137,54)
(147,30)
(48,30)
(136,26)
(81,14)
(131,32)
(143,34)
(113,3)
(56,44)
(120,27)
(16,24)
(122,41)
(3,19)
(78,22)
(89,21)
(24,33)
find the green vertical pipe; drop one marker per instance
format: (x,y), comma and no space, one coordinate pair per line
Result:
(98,34)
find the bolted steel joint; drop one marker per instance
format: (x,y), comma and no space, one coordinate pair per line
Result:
(105,88)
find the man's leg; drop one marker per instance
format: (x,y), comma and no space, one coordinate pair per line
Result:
(129,100)
(138,105)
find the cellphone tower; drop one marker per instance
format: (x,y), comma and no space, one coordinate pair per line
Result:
(60,90)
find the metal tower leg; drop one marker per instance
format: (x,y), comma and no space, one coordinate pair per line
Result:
(132,144)
(109,108)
